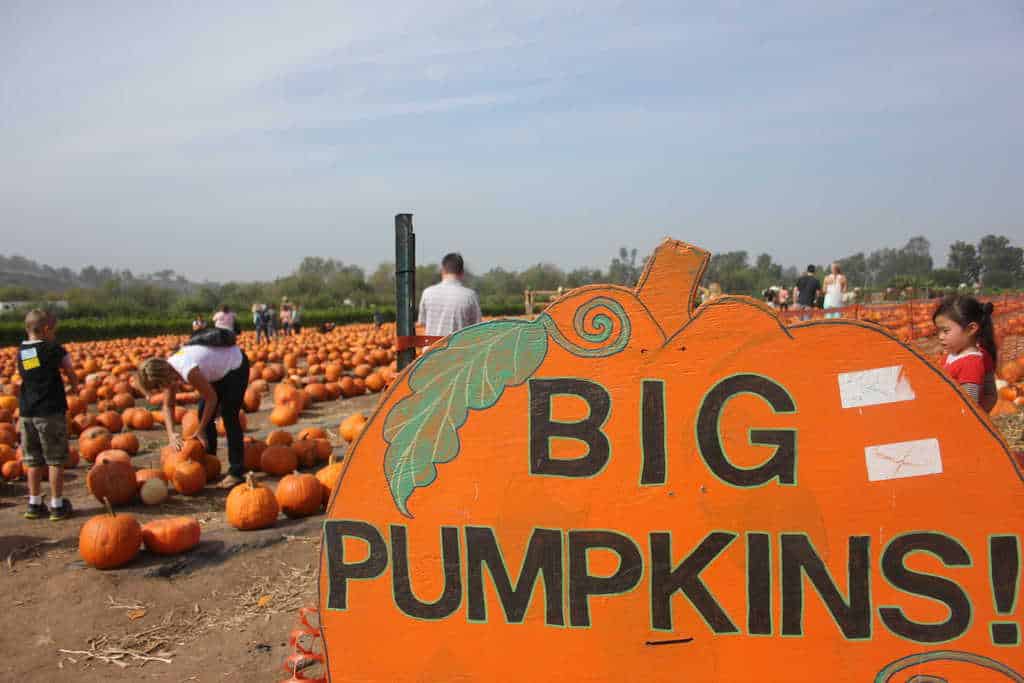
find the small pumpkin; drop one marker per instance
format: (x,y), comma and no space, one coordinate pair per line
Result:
(278,460)
(251,400)
(112,480)
(284,415)
(305,453)
(253,453)
(111,420)
(12,470)
(251,506)
(299,495)
(127,442)
(189,477)
(93,441)
(114,455)
(171,535)
(142,419)
(351,426)
(153,491)
(328,476)
(324,448)
(312,433)
(109,540)
(279,437)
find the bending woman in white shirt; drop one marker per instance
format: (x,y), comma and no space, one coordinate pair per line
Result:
(221,375)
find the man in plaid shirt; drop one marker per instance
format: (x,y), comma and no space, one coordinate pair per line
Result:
(449,305)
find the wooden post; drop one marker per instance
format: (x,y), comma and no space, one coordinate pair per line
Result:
(405,284)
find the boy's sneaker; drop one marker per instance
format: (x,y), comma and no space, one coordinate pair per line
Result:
(35,511)
(62,511)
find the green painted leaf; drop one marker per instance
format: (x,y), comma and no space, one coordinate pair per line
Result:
(470,372)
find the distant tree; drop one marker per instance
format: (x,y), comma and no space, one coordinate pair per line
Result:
(963,258)
(543,276)
(624,269)
(855,268)
(1002,265)
(584,276)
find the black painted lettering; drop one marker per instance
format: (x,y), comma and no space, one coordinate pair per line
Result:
(938,588)
(782,464)
(652,427)
(450,598)
(339,571)
(588,430)
(798,558)
(759,584)
(543,558)
(685,577)
(582,584)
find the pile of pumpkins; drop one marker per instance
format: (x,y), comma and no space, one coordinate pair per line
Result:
(112,540)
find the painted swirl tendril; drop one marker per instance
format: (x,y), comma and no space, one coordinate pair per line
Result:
(594,329)
(886,674)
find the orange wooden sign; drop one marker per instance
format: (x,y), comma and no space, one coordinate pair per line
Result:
(626,489)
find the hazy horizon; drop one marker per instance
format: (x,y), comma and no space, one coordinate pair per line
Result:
(227,145)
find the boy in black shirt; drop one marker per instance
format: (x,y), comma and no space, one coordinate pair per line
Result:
(43,406)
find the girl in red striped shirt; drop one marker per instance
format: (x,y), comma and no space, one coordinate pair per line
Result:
(968,338)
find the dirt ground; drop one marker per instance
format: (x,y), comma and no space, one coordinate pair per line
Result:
(223,614)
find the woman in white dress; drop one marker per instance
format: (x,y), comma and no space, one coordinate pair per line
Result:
(835,287)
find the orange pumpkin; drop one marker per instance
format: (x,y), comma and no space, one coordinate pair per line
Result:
(351,426)
(305,452)
(251,400)
(284,415)
(92,442)
(12,470)
(212,465)
(278,460)
(251,506)
(114,455)
(127,442)
(312,433)
(299,495)
(279,437)
(253,453)
(328,476)
(189,477)
(112,480)
(171,536)
(111,420)
(144,475)
(109,540)
(142,419)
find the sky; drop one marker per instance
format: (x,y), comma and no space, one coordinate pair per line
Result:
(227,140)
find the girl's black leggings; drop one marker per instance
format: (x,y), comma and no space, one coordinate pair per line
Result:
(230,391)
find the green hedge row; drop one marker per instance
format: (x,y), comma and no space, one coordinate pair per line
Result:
(12,332)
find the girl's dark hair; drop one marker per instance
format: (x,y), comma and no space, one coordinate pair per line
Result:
(964,310)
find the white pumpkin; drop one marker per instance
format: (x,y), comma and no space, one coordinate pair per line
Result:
(154,491)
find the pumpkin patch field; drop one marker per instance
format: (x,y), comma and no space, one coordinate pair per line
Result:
(159,574)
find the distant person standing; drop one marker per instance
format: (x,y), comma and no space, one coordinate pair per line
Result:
(835,288)
(199,323)
(806,292)
(449,305)
(270,315)
(224,318)
(286,319)
(259,321)
(297,318)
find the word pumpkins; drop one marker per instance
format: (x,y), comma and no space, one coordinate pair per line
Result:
(629,487)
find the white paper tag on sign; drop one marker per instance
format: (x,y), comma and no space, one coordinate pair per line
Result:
(903,459)
(29,353)
(874,387)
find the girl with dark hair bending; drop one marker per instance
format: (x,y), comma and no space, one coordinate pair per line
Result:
(968,338)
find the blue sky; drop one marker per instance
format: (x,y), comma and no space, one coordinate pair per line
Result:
(230,140)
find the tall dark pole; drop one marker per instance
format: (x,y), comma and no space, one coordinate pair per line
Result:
(405,284)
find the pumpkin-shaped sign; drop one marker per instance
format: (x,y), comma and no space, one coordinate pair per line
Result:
(630,488)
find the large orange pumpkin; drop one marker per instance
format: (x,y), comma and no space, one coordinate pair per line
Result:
(279,437)
(92,442)
(171,536)
(112,480)
(251,506)
(278,460)
(299,495)
(109,540)
(284,415)
(111,420)
(189,477)
(127,442)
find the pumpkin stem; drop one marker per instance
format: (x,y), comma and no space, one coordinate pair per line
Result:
(110,508)
(250,481)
